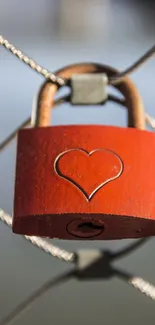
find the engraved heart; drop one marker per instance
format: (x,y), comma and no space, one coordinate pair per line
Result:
(88,171)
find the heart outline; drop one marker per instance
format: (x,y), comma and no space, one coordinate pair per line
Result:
(87,197)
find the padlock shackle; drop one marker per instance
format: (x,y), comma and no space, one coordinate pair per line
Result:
(133,100)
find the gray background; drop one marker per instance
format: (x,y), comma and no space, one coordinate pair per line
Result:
(57,33)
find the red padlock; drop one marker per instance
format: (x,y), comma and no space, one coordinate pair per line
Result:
(86,182)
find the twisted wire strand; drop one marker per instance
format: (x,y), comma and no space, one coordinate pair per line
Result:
(149,119)
(46,73)
(145,57)
(138,283)
(129,249)
(40,243)
(26,123)
(25,305)
(143,286)
(60,81)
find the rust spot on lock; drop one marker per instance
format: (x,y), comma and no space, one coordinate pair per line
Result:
(86,228)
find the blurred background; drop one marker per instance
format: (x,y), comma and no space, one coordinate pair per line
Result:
(57,33)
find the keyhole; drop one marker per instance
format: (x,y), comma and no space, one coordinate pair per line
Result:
(87,227)
(84,228)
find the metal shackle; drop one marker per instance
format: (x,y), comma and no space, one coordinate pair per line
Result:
(133,101)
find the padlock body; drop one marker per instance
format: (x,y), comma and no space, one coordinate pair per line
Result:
(85,182)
